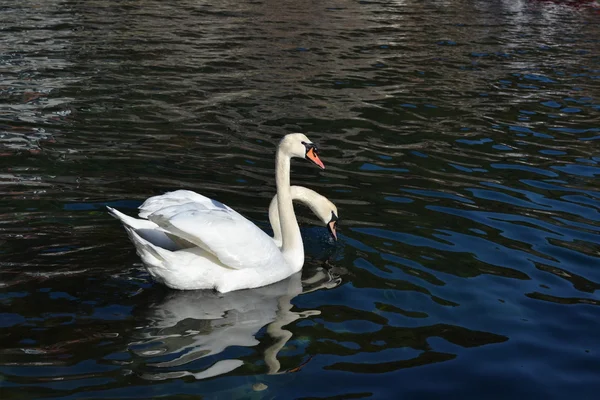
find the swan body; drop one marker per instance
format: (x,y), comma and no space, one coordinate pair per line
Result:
(222,249)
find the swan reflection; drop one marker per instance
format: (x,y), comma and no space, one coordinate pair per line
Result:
(186,326)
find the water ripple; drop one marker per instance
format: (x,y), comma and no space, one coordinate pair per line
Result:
(460,150)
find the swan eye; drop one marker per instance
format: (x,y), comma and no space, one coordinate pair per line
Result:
(310,146)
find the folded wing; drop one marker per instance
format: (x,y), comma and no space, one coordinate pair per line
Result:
(214,227)
(175,198)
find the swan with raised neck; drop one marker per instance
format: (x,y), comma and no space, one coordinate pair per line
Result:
(292,145)
(229,252)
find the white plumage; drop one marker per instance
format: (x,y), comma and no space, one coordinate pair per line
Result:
(189,241)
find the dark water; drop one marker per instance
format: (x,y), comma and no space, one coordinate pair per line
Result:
(461,144)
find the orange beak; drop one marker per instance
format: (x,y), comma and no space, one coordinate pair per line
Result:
(312,156)
(332,230)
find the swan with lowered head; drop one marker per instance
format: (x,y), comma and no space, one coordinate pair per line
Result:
(230,252)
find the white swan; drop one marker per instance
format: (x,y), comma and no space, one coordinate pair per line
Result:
(230,252)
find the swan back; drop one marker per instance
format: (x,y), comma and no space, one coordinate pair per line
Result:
(234,240)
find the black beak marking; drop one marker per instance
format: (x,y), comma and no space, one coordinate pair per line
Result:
(333,217)
(311,146)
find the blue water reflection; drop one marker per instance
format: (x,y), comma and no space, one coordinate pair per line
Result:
(460,143)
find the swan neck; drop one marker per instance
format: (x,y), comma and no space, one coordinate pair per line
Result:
(299,194)
(291,241)
(274,220)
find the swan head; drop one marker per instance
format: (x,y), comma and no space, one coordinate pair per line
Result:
(298,145)
(327,212)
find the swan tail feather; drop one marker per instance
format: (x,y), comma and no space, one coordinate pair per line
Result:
(134,223)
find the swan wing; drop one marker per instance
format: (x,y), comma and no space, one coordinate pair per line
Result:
(234,240)
(178,197)
(146,229)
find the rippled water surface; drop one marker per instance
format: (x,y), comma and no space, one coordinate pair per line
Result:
(461,144)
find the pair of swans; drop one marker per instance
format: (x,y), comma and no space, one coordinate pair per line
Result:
(188,241)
